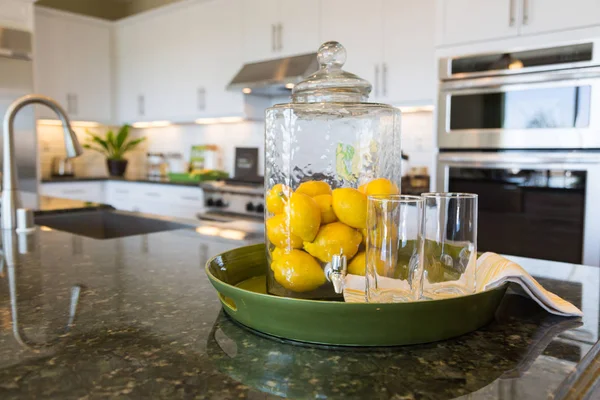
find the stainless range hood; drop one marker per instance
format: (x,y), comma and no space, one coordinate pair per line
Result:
(274,78)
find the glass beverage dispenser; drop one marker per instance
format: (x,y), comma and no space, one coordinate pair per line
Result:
(326,151)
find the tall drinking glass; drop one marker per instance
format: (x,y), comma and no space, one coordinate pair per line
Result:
(394,254)
(450,249)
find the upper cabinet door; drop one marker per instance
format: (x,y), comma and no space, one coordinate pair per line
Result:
(224,20)
(298,27)
(16,14)
(408,70)
(89,70)
(51,53)
(72,65)
(356,24)
(260,27)
(552,15)
(129,80)
(463,21)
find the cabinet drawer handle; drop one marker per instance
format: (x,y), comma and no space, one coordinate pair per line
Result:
(273,37)
(153,194)
(525,12)
(511,13)
(376,80)
(141,105)
(190,198)
(75,104)
(122,191)
(280,37)
(384,78)
(73,191)
(201,99)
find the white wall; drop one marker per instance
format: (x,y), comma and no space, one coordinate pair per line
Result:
(417,142)
(418,139)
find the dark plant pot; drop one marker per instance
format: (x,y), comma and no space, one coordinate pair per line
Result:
(116,167)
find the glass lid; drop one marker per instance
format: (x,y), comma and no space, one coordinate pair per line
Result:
(331,83)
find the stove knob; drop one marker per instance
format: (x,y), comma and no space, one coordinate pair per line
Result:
(210,203)
(219,203)
(259,208)
(249,207)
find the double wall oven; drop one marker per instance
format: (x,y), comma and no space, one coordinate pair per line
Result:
(522,129)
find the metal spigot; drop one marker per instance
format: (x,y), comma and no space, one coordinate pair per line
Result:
(336,271)
(10,191)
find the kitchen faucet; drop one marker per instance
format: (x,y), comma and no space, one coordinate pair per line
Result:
(10,192)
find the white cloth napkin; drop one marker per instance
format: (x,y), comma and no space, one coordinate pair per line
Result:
(493,271)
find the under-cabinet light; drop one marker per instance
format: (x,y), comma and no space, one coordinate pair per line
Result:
(81,124)
(151,124)
(289,85)
(246,90)
(219,120)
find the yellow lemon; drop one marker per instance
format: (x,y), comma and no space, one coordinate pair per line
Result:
(363,232)
(277,252)
(350,206)
(278,232)
(298,271)
(327,214)
(332,239)
(358,264)
(276,198)
(363,188)
(305,216)
(381,186)
(314,188)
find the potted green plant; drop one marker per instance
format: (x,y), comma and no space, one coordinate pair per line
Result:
(114,146)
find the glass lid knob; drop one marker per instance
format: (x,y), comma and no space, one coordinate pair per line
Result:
(331,83)
(331,55)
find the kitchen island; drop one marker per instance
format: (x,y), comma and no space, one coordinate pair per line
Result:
(147,324)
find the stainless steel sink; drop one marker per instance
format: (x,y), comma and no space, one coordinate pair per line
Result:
(107,224)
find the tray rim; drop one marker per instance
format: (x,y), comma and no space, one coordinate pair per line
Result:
(329,303)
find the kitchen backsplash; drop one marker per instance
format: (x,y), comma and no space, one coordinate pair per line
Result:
(91,163)
(417,143)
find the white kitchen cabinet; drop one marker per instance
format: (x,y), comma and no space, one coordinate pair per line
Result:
(357,25)
(129,77)
(466,21)
(261,18)
(84,191)
(298,30)
(475,20)
(393,49)
(137,83)
(169,67)
(199,87)
(16,14)
(274,28)
(408,70)
(540,16)
(153,198)
(73,64)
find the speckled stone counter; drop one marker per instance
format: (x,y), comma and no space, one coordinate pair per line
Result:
(147,324)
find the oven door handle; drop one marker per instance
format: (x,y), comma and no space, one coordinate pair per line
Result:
(532,159)
(541,79)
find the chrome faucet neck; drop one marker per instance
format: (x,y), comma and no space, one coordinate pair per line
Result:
(10,191)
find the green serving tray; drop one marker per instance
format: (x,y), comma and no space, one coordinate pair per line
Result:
(238,276)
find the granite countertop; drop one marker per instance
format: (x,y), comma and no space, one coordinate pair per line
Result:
(148,325)
(164,181)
